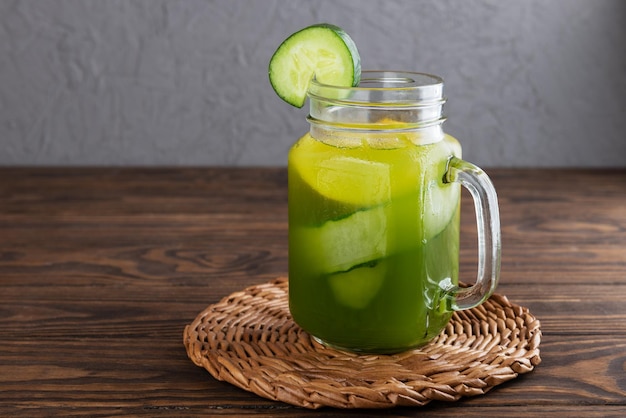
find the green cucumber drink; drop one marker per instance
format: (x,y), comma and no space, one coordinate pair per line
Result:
(374,215)
(371,259)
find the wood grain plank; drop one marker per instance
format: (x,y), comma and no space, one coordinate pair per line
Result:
(143,372)
(101,269)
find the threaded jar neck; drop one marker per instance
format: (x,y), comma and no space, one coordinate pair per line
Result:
(414,100)
(385,102)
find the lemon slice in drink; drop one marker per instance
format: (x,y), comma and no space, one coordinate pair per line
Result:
(324,51)
(341,175)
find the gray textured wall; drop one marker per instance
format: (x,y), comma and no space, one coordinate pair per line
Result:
(154,82)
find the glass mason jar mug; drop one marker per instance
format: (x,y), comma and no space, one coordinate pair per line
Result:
(374,198)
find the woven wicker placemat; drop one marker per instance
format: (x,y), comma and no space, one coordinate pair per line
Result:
(250,340)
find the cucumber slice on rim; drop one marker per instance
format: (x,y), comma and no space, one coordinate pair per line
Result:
(322,51)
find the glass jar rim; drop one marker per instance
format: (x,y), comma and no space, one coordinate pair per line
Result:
(384,87)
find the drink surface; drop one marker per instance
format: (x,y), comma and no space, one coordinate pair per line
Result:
(373,239)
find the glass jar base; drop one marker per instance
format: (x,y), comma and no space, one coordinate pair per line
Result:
(387,350)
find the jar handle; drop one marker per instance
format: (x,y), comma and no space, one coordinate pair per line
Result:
(479,185)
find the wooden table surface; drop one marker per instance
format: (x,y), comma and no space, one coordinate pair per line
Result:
(101,269)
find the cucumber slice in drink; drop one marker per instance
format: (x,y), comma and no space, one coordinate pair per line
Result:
(440,201)
(440,206)
(324,51)
(356,288)
(344,243)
